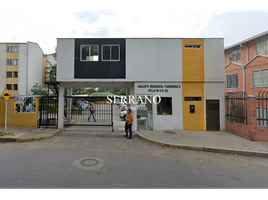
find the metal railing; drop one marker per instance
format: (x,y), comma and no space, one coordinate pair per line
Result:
(262,108)
(236,107)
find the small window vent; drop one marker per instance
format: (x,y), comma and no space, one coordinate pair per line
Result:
(196,46)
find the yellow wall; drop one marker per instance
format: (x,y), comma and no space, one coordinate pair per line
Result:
(12,68)
(44,68)
(12,80)
(18,119)
(193,85)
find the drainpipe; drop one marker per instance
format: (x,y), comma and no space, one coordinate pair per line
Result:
(243,67)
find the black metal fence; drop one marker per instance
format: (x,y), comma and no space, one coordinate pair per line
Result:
(77,111)
(48,111)
(236,107)
(262,108)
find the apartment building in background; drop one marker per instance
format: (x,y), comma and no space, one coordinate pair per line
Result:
(21,67)
(246,65)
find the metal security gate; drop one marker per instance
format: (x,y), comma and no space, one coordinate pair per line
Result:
(77,111)
(48,111)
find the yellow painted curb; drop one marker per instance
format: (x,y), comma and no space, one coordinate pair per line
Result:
(38,138)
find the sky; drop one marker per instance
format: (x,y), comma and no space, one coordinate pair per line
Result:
(45,21)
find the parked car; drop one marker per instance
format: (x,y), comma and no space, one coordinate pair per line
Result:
(117,102)
(123,115)
(123,106)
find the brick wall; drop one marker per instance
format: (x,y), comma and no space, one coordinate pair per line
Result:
(250,130)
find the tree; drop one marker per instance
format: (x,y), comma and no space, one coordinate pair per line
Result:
(39,90)
(116,91)
(91,90)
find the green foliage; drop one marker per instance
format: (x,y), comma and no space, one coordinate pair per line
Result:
(39,90)
(116,91)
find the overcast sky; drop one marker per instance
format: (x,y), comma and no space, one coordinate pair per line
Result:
(44,21)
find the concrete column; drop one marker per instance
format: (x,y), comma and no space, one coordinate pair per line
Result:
(134,108)
(69,105)
(61,108)
(127,94)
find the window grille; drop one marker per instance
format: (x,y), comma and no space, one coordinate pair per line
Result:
(259,78)
(232,81)
(261,45)
(234,54)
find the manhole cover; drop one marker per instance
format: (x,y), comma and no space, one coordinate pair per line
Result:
(89,163)
(169,132)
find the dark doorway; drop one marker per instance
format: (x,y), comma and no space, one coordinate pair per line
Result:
(213,115)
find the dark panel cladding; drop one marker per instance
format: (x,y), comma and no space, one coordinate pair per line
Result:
(100,69)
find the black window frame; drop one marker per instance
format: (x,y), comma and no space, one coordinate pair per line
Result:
(169,108)
(110,45)
(9,72)
(7,86)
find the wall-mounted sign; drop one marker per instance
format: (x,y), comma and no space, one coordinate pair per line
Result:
(159,88)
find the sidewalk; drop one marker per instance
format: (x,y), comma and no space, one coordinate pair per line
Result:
(211,141)
(20,134)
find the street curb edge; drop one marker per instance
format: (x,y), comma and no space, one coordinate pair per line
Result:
(207,149)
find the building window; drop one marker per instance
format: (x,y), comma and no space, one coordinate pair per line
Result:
(89,53)
(15,74)
(9,49)
(261,45)
(192,98)
(15,61)
(9,61)
(15,86)
(16,49)
(165,106)
(9,74)
(234,54)
(232,81)
(259,78)
(110,52)
(195,46)
(9,86)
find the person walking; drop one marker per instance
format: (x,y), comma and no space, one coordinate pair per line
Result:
(91,112)
(129,122)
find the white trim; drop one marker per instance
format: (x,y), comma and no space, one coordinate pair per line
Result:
(247,40)
(89,53)
(259,70)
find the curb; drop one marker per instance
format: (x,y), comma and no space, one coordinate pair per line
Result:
(207,149)
(39,138)
(28,139)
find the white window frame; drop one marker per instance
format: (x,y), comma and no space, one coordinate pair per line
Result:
(89,52)
(262,80)
(232,84)
(15,62)
(261,41)
(7,61)
(110,52)
(9,47)
(16,47)
(235,51)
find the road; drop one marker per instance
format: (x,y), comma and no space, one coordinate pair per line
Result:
(126,164)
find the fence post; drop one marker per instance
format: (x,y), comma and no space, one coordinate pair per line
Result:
(252,118)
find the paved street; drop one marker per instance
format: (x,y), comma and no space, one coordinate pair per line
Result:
(127,164)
